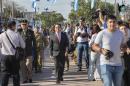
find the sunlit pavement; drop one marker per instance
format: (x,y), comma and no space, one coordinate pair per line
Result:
(71,77)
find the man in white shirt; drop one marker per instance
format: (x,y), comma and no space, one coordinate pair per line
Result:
(82,44)
(10,62)
(111,41)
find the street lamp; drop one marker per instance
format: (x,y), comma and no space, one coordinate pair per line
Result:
(105,4)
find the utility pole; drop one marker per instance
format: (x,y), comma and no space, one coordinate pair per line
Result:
(115,8)
(12,9)
(1,6)
(105,4)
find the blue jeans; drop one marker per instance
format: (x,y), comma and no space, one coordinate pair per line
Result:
(82,47)
(111,75)
(94,63)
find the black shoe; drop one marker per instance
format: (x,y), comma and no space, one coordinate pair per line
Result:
(87,66)
(30,80)
(25,81)
(58,82)
(91,79)
(62,79)
(79,69)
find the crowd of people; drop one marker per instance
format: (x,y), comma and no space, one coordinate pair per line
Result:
(104,48)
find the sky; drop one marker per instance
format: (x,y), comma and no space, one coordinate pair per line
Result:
(61,6)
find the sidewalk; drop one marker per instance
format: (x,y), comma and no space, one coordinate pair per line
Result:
(71,77)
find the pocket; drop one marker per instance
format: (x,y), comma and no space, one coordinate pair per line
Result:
(104,69)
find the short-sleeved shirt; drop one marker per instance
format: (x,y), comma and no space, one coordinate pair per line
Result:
(16,40)
(93,54)
(111,41)
(79,38)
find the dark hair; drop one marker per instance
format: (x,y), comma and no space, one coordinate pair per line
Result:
(119,22)
(52,29)
(11,24)
(124,24)
(97,28)
(58,24)
(77,24)
(82,19)
(111,17)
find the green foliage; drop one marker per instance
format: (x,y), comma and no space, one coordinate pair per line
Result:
(12,9)
(50,18)
(84,10)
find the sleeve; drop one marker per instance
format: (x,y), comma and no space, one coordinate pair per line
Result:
(22,43)
(67,40)
(51,46)
(128,33)
(0,40)
(76,30)
(43,40)
(34,43)
(98,39)
(34,40)
(92,40)
(123,39)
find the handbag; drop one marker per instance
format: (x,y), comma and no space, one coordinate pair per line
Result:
(19,52)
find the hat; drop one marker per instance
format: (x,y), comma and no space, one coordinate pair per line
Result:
(24,21)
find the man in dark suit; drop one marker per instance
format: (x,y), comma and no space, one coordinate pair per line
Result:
(58,47)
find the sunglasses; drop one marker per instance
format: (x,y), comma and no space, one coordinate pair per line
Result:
(24,24)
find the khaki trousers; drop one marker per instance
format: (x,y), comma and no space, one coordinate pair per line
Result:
(26,68)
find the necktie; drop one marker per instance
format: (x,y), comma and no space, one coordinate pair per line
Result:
(58,36)
(24,32)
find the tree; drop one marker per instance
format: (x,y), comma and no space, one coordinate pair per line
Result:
(85,10)
(12,9)
(50,18)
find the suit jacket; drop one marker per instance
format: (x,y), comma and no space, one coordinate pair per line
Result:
(57,47)
(30,41)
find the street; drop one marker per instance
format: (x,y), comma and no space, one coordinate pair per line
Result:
(71,77)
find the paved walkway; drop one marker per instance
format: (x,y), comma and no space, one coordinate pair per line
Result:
(71,77)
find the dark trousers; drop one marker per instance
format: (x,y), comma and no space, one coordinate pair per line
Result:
(11,68)
(126,75)
(0,66)
(59,65)
(126,78)
(67,61)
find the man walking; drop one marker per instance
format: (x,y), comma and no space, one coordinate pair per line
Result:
(58,45)
(111,41)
